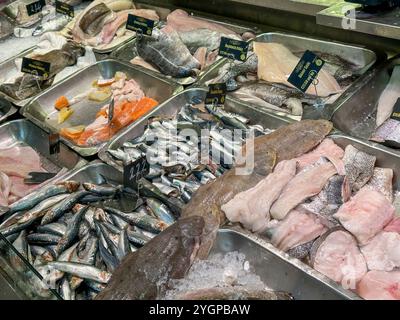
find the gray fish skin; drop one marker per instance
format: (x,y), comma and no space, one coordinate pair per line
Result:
(68,254)
(359,168)
(301,251)
(21,245)
(55,24)
(118,222)
(81,271)
(229,121)
(167,52)
(110,244)
(91,15)
(84,229)
(33,199)
(43,238)
(123,245)
(6,27)
(146,273)
(65,290)
(95,286)
(58,229)
(137,239)
(72,230)
(64,206)
(112,228)
(88,255)
(141,220)
(160,210)
(101,190)
(110,261)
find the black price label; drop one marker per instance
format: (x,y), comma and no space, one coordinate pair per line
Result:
(65,9)
(140,24)
(396,111)
(35,67)
(306,71)
(54,143)
(233,49)
(135,170)
(216,94)
(35,7)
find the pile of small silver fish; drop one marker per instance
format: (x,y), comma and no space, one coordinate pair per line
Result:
(75,234)
(179,167)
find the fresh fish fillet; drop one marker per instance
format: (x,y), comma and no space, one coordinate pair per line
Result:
(285,143)
(359,168)
(276,63)
(181,21)
(380,285)
(296,229)
(251,207)
(19,161)
(337,256)
(366,214)
(382,181)
(304,185)
(201,56)
(141,62)
(383,251)
(388,131)
(327,148)
(19,188)
(388,98)
(393,226)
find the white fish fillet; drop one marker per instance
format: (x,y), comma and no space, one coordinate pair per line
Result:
(366,214)
(276,63)
(388,97)
(304,185)
(380,285)
(251,207)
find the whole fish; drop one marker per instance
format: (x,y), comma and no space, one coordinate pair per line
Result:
(110,243)
(160,210)
(67,204)
(168,53)
(65,290)
(81,270)
(34,198)
(141,220)
(110,261)
(21,245)
(101,190)
(137,239)
(145,274)
(56,24)
(58,229)
(43,239)
(123,245)
(68,254)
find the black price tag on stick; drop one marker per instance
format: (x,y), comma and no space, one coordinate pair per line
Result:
(216,94)
(35,67)
(65,9)
(233,49)
(54,143)
(134,171)
(140,24)
(35,7)
(396,111)
(306,71)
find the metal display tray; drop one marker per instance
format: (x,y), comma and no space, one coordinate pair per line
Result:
(42,112)
(128,51)
(357,115)
(174,105)
(362,57)
(24,132)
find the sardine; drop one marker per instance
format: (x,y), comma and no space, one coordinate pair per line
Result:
(123,245)
(65,290)
(81,270)
(137,239)
(43,239)
(101,190)
(160,210)
(58,229)
(110,261)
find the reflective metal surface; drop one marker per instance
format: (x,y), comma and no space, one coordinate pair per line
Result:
(42,112)
(24,132)
(172,106)
(360,56)
(6,109)
(356,116)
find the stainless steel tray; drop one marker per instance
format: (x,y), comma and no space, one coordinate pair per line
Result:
(41,110)
(128,51)
(356,116)
(361,56)
(278,271)
(8,113)
(174,105)
(26,133)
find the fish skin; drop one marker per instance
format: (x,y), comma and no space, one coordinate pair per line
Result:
(270,149)
(110,244)
(101,190)
(137,239)
(168,53)
(42,239)
(81,270)
(55,24)
(166,257)
(110,261)
(359,167)
(92,14)
(123,245)
(6,27)
(34,198)
(67,204)
(58,229)
(65,290)
(160,210)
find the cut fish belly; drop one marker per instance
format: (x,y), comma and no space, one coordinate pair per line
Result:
(337,256)
(327,148)
(304,185)
(383,251)
(251,207)
(296,229)
(366,214)
(380,285)
(359,168)
(382,181)
(276,63)
(388,98)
